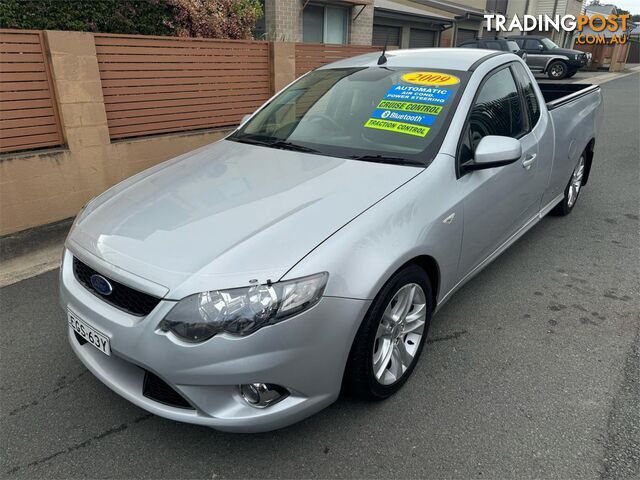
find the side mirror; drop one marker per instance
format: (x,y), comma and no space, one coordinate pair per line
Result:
(540,47)
(494,151)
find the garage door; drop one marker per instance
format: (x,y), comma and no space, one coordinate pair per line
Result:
(465,35)
(419,38)
(382,32)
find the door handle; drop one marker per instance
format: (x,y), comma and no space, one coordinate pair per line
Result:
(528,161)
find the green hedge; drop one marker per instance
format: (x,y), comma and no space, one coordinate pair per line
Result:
(145,17)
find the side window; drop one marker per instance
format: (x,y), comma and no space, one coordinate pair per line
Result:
(530,99)
(493,45)
(497,111)
(513,46)
(532,45)
(469,45)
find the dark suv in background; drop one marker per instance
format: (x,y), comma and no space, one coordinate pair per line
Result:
(496,44)
(544,56)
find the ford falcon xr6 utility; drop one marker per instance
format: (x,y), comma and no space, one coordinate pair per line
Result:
(243,285)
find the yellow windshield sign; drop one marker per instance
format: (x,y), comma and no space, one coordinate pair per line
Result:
(400,127)
(430,78)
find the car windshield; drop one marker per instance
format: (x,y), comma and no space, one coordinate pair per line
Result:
(513,46)
(393,115)
(548,43)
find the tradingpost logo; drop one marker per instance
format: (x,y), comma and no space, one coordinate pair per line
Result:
(596,29)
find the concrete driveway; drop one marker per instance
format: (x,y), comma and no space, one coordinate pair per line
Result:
(532,370)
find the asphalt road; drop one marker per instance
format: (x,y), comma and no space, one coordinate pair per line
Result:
(531,370)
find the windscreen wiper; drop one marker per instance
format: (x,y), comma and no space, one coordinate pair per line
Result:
(284,145)
(386,159)
(273,143)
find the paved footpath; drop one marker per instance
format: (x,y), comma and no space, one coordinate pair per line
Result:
(531,370)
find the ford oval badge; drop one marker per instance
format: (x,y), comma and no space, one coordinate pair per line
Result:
(101,285)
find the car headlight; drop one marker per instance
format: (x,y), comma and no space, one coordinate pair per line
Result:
(242,311)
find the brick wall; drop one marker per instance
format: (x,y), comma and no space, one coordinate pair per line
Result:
(283,20)
(362,27)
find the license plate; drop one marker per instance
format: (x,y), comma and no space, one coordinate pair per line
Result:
(90,334)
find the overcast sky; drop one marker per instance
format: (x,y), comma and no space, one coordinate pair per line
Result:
(631,5)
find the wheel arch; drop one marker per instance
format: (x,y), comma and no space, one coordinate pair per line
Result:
(556,58)
(431,268)
(588,160)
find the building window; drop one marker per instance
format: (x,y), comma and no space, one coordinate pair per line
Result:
(325,24)
(497,6)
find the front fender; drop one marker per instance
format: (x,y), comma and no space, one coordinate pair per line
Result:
(424,217)
(553,58)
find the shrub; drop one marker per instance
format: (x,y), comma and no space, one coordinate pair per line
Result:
(215,18)
(187,18)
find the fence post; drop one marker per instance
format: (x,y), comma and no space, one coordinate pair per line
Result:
(283,64)
(77,83)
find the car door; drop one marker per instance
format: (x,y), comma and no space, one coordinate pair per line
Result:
(539,126)
(497,201)
(536,56)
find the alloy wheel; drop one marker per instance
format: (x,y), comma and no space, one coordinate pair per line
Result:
(557,70)
(576,183)
(399,334)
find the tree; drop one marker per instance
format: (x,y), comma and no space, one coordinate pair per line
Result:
(215,18)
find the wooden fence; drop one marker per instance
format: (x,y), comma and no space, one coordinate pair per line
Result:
(150,85)
(313,55)
(28,112)
(162,84)
(614,56)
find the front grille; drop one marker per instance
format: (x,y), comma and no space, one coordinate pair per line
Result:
(125,298)
(156,389)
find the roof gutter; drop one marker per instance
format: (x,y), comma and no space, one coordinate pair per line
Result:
(451,8)
(470,16)
(398,15)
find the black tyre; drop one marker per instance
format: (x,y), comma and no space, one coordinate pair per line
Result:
(572,190)
(557,70)
(391,337)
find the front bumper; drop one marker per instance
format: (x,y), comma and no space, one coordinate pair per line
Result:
(579,62)
(305,354)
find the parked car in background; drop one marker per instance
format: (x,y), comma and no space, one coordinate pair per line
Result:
(242,285)
(544,56)
(496,43)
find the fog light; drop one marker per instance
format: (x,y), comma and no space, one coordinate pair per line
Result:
(262,395)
